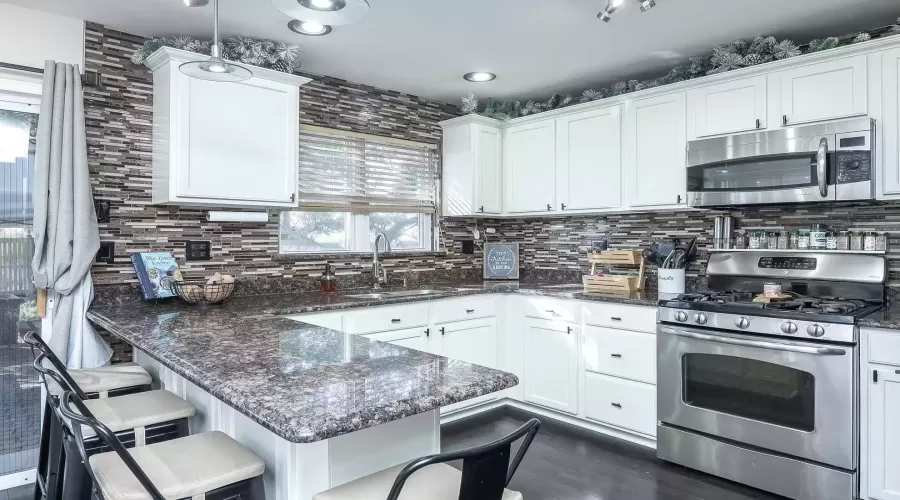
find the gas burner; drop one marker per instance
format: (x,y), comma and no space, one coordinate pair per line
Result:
(838,306)
(693,297)
(725,297)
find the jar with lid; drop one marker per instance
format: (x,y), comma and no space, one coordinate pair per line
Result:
(754,242)
(869,241)
(803,240)
(795,239)
(772,240)
(856,241)
(831,240)
(817,237)
(881,242)
(843,240)
(783,240)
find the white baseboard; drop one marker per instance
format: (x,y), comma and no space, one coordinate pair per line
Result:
(22,478)
(569,419)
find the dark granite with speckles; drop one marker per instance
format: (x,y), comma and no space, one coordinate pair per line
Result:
(886,317)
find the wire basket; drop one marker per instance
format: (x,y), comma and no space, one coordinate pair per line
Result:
(199,292)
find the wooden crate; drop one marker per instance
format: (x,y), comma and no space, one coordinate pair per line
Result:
(615,282)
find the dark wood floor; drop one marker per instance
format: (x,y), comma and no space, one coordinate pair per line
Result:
(568,463)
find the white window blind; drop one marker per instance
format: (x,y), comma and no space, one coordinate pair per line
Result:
(345,171)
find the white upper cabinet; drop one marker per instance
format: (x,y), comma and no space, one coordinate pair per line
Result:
(229,144)
(654,147)
(823,91)
(588,160)
(727,108)
(529,158)
(472,152)
(890,121)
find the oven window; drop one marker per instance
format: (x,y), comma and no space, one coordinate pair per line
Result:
(752,389)
(774,173)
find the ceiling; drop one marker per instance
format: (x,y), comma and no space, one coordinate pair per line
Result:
(536,47)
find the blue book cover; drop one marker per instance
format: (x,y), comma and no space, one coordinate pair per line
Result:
(156,272)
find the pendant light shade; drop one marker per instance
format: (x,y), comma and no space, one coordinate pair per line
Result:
(215,69)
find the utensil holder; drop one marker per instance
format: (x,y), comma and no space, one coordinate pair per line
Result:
(670,280)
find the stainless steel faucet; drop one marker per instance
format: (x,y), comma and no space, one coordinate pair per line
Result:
(379,274)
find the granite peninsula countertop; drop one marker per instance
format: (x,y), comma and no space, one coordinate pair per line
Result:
(307,383)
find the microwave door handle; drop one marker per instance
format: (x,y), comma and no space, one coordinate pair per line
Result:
(821,167)
(823,351)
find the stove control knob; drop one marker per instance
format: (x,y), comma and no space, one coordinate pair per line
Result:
(815,330)
(701,318)
(681,316)
(789,327)
(743,322)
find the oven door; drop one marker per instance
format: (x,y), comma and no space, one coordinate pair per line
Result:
(797,398)
(791,171)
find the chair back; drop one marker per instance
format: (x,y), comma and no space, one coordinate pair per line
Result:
(487,468)
(83,416)
(46,354)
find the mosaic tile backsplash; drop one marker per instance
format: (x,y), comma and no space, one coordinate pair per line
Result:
(119,125)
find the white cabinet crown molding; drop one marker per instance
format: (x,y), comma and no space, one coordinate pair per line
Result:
(166,54)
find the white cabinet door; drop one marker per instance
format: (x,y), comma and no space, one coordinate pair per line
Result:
(551,364)
(588,160)
(654,150)
(823,91)
(890,121)
(487,149)
(529,157)
(413,338)
(727,108)
(238,141)
(473,341)
(884,435)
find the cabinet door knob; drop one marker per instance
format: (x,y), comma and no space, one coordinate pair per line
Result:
(616,355)
(617,405)
(443,331)
(428,332)
(758,123)
(562,206)
(784,119)
(481,209)
(678,200)
(569,330)
(549,207)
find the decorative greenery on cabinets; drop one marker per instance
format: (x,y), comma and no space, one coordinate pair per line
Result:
(267,54)
(727,57)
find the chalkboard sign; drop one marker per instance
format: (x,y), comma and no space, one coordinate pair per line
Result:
(501,261)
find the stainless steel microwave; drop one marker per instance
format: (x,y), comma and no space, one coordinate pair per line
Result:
(813,163)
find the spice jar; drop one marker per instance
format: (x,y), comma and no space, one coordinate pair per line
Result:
(843,240)
(831,240)
(881,242)
(803,240)
(869,241)
(817,237)
(754,242)
(856,241)
(772,240)
(795,240)
(783,240)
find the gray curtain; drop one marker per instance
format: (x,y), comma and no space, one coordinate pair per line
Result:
(66,237)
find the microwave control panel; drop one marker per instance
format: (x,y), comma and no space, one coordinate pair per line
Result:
(853,166)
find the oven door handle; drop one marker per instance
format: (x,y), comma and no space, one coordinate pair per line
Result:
(823,351)
(821,167)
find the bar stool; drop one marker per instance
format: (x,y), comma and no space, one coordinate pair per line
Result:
(138,417)
(485,474)
(202,466)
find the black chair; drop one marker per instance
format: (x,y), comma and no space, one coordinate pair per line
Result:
(222,467)
(486,472)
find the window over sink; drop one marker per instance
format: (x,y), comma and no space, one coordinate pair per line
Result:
(354,186)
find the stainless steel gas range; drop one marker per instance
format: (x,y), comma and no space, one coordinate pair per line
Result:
(766,394)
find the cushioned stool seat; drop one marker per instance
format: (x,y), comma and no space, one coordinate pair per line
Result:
(137,410)
(181,468)
(434,482)
(105,378)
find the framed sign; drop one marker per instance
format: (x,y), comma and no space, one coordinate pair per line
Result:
(501,261)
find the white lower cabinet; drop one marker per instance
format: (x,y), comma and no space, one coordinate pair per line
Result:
(884,433)
(473,341)
(620,353)
(413,338)
(551,364)
(621,403)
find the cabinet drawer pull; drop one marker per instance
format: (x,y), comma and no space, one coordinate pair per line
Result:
(428,332)
(784,119)
(617,405)
(615,318)
(562,206)
(616,355)
(481,209)
(395,321)
(443,331)
(897,372)
(549,207)
(550,311)
(569,330)
(470,311)
(758,123)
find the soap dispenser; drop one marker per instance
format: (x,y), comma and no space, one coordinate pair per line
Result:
(327,283)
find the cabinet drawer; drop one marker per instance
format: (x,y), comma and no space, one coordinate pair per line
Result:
(552,309)
(386,318)
(637,318)
(460,310)
(620,353)
(883,347)
(621,403)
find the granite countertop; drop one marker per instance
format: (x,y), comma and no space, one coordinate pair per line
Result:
(307,383)
(886,317)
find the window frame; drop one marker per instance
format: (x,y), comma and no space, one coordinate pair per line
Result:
(358,238)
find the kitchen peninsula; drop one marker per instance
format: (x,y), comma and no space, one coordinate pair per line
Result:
(319,406)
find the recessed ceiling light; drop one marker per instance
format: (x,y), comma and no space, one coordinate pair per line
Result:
(479,76)
(310,28)
(326,12)
(323,5)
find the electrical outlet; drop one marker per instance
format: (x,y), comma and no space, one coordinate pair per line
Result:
(599,245)
(107,252)
(197,250)
(468,247)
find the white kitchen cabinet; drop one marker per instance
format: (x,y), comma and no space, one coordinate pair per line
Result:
(529,159)
(228,144)
(622,403)
(884,434)
(588,160)
(473,341)
(727,108)
(890,121)
(823,91)
(472,167)
(654,150)
(551,364)
(413,338)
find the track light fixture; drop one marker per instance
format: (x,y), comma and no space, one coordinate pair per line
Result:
(647,5)
(613,5)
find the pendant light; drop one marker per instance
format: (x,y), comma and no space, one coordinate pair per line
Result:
(215,69)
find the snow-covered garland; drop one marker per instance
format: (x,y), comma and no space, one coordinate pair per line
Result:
(727,57)
(268,54)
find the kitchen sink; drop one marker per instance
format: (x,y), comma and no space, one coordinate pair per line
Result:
(398,293)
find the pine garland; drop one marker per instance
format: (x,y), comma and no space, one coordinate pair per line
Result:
(267,54)
(727,57)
